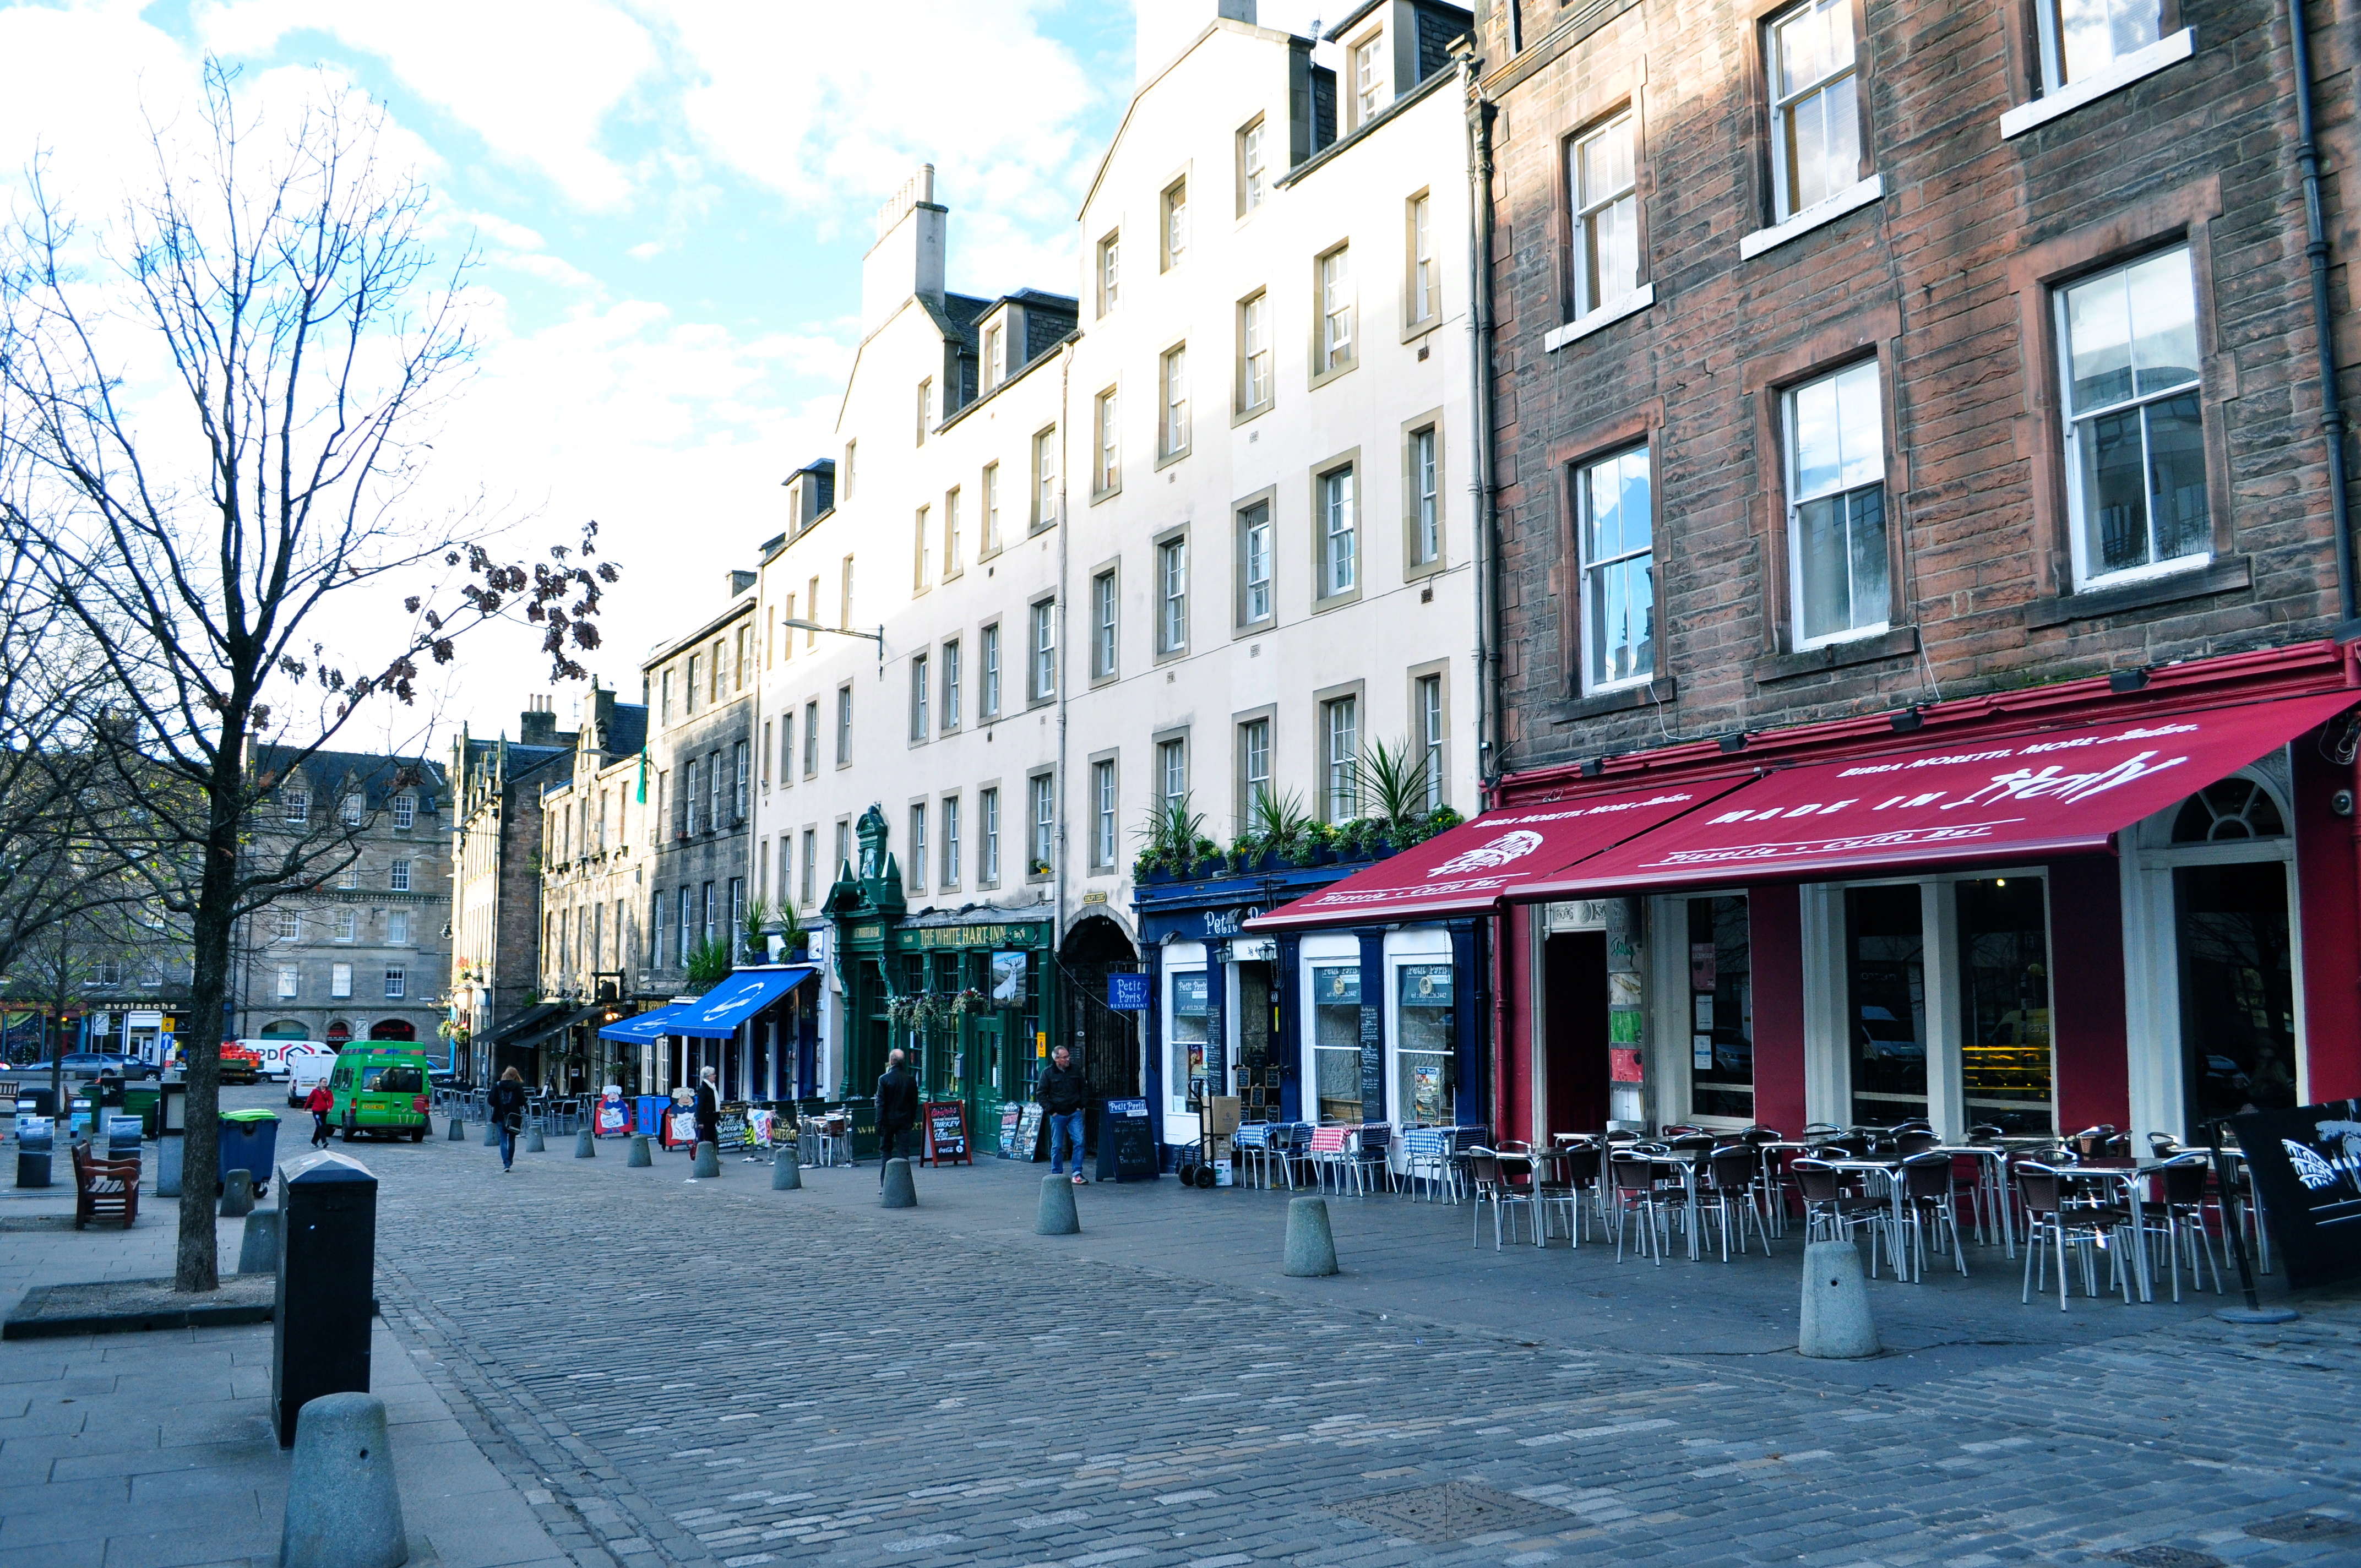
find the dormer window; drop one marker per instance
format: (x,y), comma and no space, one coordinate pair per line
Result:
(1110,271)
(925,408)
(1368,79)
(1254,183)
(995,355)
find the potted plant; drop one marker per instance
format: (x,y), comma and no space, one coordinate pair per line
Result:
(706,965)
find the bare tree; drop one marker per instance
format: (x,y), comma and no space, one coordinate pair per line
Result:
(222,529)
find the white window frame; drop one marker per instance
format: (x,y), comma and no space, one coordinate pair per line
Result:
(1594,568)
(1110,271)
(1340,532)
(2088,574)
(1787,202)
(405,810)
(1255,383)
(1433,735)
(1257,551)
(1426,495)
(396,983)
(1595,209)
(922,701)
(1105,624)
(987,836)
(1367,64)
(1425,272)
(1253,170)
(1106,424)
(949,877)
(1172,596)
(291,982)
(1335,306)
(1796,502)
(950,718)
(1340,767)
(1041,661)
(1173,212)
(1105,807)
(397,876)
(1041,839)
(1173,381)
(918,872)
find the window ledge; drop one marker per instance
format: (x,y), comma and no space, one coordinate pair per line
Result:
(1860,195)
(2223,576)
(1621,699)
(1899,642)
(1605,315)
(2156,57)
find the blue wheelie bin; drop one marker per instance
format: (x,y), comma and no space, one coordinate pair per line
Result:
(249,1142)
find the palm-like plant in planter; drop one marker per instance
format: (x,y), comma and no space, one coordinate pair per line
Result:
(1174,840)
(709,963)
(757,928)
(1395,783)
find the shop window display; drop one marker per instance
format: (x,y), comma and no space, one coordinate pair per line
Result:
(1426,1082)
(1886,1004)
(1188,1038)
(1337,1041)
(1721,1010)
(2004,1053)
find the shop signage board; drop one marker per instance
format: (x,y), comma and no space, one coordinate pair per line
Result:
(2307,1167)
(946,1125)
(910,937)
(1372,1062)
(1469,869)
(1998,797)
(1022,1140)
(1008,980)
(1127,992)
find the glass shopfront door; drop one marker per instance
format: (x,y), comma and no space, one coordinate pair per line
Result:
(2237,990)
(1720,1015)
(2007,1079)
(1886,1011)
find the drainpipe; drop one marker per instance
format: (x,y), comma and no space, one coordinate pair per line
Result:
(2332,416)
(1480,343)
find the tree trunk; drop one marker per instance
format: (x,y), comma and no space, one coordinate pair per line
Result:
(197,1266)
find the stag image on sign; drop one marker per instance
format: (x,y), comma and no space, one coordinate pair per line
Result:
(2307,1169)
(1494,853)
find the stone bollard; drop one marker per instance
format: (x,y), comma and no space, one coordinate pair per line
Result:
(458,1131)
(237,1194)
(533,1141)
(342,1508)
(1836,1325)
(640,1156)
(492,1134)
(257,1248)
(786,1173)
(708,1162)
(585,1145)
(898,1190)
(1056,1215)
(1310,1245)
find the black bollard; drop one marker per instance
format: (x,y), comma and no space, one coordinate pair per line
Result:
(327,1257)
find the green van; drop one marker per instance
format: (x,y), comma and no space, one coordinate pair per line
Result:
(380,1087)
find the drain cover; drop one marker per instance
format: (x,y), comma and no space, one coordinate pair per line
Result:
(2304,1527)
(2168,1557)
(1451,1512)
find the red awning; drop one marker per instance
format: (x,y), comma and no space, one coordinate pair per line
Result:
(1465,871)
(2006,798)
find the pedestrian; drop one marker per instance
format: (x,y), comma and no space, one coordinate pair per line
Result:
(506,1104)
(319,1103)
(897,1108)
(709,1111)
(1063,1093)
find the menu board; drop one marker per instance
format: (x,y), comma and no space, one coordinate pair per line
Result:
(946,1125)
(1026,1138)
(2307,1167)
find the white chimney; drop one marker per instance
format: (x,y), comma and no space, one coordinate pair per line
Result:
(1164,27)
(908,255)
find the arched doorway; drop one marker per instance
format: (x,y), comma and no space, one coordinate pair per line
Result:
(339,1032)
(393,1030)
(285,1029)
(1106,1043)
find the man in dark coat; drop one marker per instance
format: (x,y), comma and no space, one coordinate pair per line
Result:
(897,1108)
(1063,1093)
(505,1105)
(708,1112)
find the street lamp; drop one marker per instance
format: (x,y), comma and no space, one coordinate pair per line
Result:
(878,636)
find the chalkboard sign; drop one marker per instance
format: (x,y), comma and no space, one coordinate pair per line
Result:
(2307,1169)
(1373,1062)
(1127,1142)
(1010,1115)
(1025,1143)
(946,1125)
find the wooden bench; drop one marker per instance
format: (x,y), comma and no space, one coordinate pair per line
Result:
(104,1188)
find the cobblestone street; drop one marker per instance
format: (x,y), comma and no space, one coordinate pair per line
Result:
(681,1372)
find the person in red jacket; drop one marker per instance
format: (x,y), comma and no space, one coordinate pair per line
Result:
(319,1103)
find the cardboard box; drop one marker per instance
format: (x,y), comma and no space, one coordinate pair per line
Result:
(1220,1114)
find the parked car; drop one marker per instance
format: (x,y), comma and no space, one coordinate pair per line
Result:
(90,1064)
(380,1087)
(239,1064)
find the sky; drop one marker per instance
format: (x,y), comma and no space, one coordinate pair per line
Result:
(671,198)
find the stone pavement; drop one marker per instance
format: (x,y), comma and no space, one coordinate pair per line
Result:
(157,1450)
(711,1372)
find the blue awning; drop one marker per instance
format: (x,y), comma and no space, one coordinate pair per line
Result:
(716,1014)
(643,1029)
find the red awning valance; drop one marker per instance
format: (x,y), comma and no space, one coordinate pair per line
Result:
(1468,870)
(2018,797)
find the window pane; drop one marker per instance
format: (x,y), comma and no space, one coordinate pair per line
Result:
(1865,524)
(2098,336)
(1336,1042)
(2004,1066)
(2175,453)
(2164,315)
(1887,1004)
(1721,1009)
(1823,568)
(2114,486)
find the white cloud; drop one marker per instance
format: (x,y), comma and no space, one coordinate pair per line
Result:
(538,80)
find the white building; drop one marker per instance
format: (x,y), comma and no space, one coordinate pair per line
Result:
(1199,532)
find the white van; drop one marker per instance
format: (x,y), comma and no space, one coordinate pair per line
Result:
(306,1072)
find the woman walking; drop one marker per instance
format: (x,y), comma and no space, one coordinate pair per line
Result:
(319,1103)
(506,1104)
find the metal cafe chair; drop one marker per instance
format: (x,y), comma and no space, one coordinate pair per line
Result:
(1929,1202)
(2053,1225)
(1491,1186)
(2175,1221)
(1830,1214)
(1733,1191)
(1633,1190)
(1554,1188)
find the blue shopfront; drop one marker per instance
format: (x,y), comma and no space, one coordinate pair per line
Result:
(1351,1025)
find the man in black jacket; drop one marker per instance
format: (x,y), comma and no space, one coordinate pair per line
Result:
(1063,1094)
(897,1108)
(506,1105)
